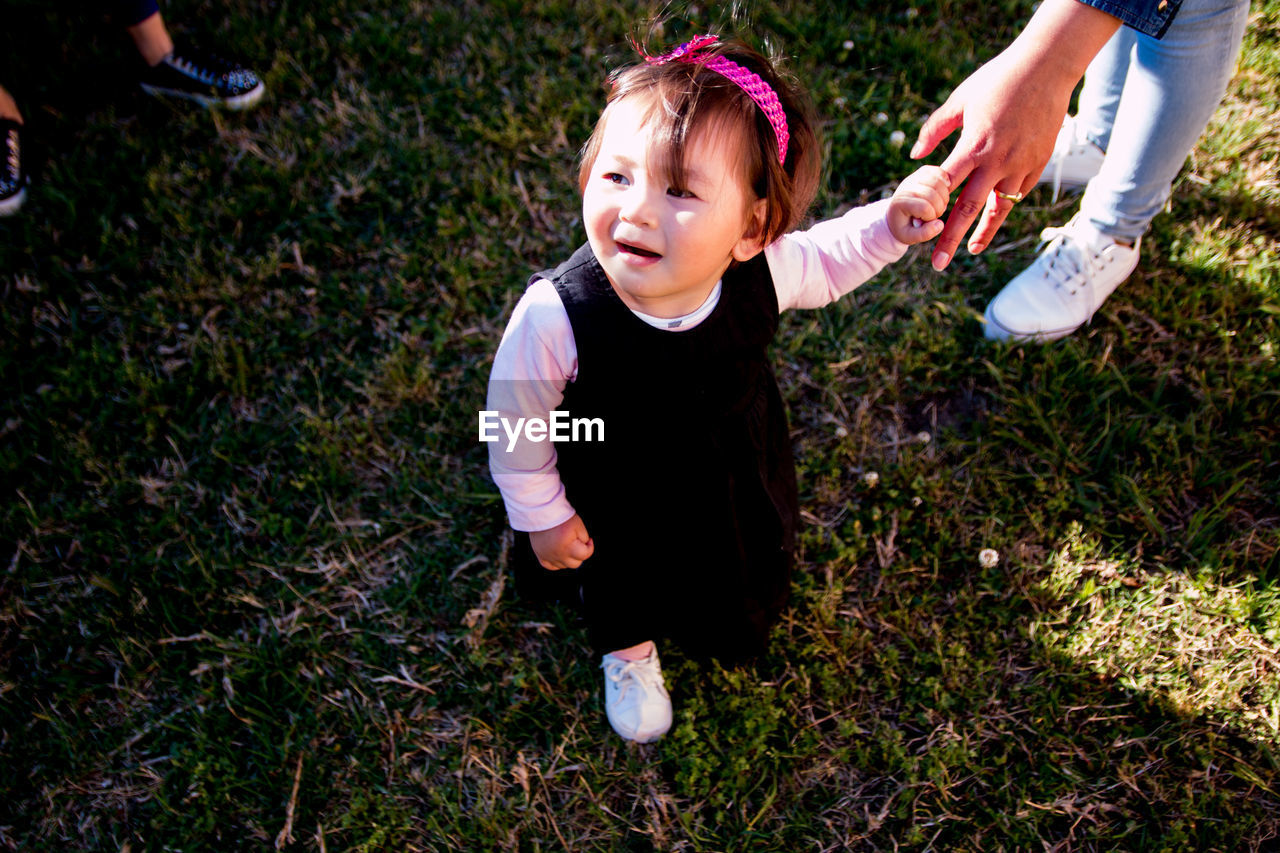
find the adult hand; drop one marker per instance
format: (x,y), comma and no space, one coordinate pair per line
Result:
(1008,124)
(564,546)
(1009,113)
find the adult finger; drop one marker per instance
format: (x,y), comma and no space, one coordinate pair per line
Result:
(963,213)
(997,209)
(940,124)
(993,216)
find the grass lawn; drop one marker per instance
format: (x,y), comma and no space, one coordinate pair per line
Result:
(254,590)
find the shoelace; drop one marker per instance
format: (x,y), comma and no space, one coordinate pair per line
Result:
(1061,150)
(1067,257)
(209,68)
(639,673)
(189,68)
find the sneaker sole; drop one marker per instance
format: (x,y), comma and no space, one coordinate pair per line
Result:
(239,102)
(996,332)
(10,205)
(646,739)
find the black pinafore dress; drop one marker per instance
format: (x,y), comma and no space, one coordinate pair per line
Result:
(690,499)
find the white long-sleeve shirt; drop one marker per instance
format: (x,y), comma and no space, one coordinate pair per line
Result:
(537,357)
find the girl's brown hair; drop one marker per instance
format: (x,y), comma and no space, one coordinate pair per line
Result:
(685,98)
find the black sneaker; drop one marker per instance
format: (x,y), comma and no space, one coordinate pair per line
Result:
(207,79)
(13,177)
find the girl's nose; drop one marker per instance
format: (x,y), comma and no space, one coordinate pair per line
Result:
(638,207)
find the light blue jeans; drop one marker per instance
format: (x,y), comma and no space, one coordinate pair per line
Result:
(1146,101)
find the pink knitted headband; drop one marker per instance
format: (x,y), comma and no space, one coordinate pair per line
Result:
(759,91)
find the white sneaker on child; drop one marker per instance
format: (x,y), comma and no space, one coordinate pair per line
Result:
(1058,293)
(635,697)
(1075,160)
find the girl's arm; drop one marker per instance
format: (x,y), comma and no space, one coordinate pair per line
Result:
(816,267)
(535,361)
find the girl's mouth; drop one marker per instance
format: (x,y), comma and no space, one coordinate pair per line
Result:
(628,249)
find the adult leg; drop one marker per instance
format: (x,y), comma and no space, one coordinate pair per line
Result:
(1104,82)
(142,20)
(1082,141)
(1171,89)
(9,107)
(152,39)
(189,74)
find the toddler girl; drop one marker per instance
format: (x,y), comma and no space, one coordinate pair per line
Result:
(676,504)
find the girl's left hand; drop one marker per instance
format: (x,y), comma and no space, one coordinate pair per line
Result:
(917,205)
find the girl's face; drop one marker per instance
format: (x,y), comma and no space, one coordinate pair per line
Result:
(662,247)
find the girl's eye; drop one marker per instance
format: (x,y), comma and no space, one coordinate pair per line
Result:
(615,178)
(678,193)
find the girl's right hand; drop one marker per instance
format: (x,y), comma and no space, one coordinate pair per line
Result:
(917,205)
(564,546)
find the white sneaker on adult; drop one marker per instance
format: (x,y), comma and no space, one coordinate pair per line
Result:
(635,697)
(1074,274)
(1075,160)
